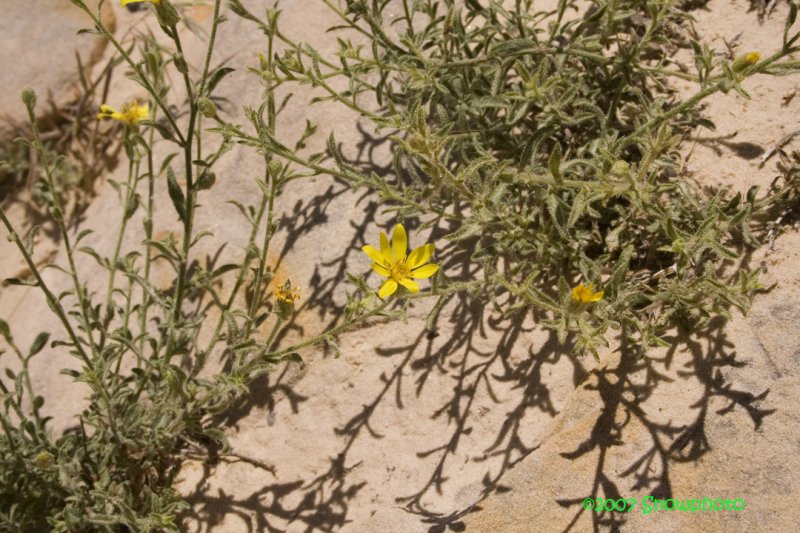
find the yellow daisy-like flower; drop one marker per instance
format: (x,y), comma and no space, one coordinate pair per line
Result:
(126,2)
(582,294)
(130,114)
(393,262)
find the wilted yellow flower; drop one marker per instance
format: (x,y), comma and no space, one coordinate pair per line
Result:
(44,460)
(130,114)
(126,2)
(287,294)
(285,297)
(585,295)
(392,262)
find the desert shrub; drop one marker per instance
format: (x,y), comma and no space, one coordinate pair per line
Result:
(152,396)
(544,146)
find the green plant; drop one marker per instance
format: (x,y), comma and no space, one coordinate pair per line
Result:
(152,394)
(69,129)
(547,146)
(544,146)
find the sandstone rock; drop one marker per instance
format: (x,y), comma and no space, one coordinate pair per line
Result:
(38,50)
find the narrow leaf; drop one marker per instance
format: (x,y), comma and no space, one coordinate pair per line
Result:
(176,194)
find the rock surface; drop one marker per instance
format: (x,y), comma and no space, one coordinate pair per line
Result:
(38,50)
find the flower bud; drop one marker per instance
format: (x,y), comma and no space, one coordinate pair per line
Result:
(206,107)
(275,168)
(167,15)
(180,63)
(747,60)
(29,98)
(44,460)
(620,167)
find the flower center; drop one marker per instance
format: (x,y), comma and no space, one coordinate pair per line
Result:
(399,271)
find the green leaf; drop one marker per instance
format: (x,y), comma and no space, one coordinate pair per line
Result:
(704,122)
(206,180)
(469,229)
(30,238)
(162,129)
(294,357)
(38,343)
(578,208)
(81,235)
(721,250)
(622,267)
(23,282)
(555,163)
(223,269)
(167,160)
(790,20)
(215,77)
(176,194)
(132,206)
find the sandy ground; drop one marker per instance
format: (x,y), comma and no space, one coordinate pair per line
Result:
(489,425)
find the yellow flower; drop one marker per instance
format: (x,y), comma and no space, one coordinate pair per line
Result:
(44,460)
(392,262)
(126,2)
(585,295)
(130,114)
(747,60)
(287,294)
(285,297)
(752,57)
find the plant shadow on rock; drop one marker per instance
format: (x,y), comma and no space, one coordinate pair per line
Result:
(306,216)
(623,389)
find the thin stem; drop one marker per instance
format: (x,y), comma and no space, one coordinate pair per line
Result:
(210,49)
(140,75)
(341,328)
(148,257)
(58,215)
(188,219)
(52,301)
(130,190)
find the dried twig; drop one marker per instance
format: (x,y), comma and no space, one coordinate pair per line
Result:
(780,144)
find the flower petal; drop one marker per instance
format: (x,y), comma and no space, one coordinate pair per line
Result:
(386,250)
(382,270)
(420,256)
(412,286)
(388,288)
(424,271)
(374,254)
(597,296)
(578,293)
(399,243)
